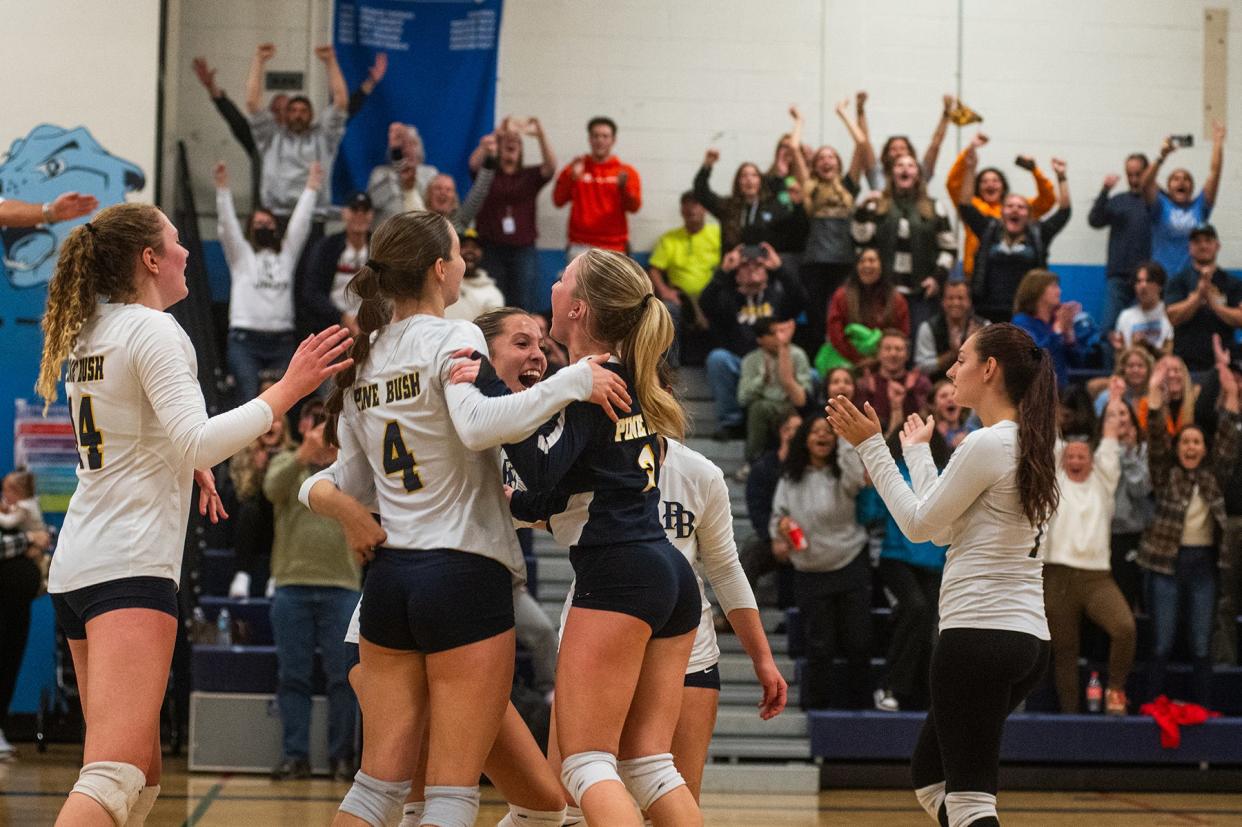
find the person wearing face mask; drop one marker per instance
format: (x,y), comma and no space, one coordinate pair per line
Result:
(1077,552)
(912,232)
(940,337)
(397,185)
(1176,211)
(262,330)
(478,293)
(1010,245)
(1182,548)
(989,188)
(1129,234)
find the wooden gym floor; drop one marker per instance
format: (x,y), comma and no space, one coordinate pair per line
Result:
(32,789)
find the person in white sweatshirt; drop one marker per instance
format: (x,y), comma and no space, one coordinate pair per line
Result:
(1077,576)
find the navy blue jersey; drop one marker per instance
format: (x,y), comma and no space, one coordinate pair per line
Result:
(595,481)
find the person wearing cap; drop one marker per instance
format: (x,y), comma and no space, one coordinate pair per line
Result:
(478,292)
(749,285)
(331,263)
(1203,300)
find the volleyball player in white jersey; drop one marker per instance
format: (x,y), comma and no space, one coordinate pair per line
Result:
(142,430)
(515,765)
(437,610)
(989,506)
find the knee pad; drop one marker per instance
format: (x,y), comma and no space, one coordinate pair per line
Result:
(451,806)
(930,798)
(581,771)
(412,813)
(142,807)
(965,809)
(116,786)
(374,801)
(649,777)
(522,817)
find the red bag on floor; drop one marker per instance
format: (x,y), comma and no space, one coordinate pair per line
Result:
(1170,716)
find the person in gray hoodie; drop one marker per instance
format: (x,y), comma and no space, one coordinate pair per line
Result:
(832,571)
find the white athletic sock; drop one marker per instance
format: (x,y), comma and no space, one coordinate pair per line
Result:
(522,817)
(412,813)
(965,808)
(574,817)
(142,807)
(930,799)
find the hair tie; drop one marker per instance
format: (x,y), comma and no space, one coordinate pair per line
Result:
(643,305)
(372,264)
(1037,352)
(90,228)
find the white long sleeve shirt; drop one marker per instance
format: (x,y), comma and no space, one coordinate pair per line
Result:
(1080,532)
(431,448)
(261,281)
(698,520)
(993,574)
(142,428)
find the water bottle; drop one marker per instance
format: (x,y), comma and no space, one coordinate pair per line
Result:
(1095,693)
(198,625)
(794,533)
(224,630)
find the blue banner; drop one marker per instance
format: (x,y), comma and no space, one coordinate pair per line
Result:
(441,78)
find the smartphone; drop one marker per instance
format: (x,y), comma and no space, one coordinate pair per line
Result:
(1024,162)
(1186,140)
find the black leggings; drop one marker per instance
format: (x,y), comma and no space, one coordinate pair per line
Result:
(19,584)
(978,677)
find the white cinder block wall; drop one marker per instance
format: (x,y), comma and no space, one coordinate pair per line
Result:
(1090,81)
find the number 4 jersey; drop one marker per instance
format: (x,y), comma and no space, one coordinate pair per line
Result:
(426,450)
(142,428)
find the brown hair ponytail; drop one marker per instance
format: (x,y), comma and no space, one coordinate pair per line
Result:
(403,250)
(625,312)
(97,260)
(1031,384)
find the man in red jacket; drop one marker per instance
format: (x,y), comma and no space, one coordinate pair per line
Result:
(602,190)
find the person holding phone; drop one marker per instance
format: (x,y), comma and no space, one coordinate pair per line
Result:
(1175,210)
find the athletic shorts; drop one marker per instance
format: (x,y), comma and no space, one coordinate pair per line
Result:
(708,678)
(650,581)
(75,608)
(433,600)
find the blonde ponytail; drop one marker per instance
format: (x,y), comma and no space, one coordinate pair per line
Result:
(97,260)
(625,312)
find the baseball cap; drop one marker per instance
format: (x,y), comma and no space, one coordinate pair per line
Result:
(359,201)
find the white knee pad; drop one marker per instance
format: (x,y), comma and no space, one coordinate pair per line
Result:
(573,817)
(142,807)
(522,817)
(116,786)
(412,813)
(451,806)
(581,771)
(930,798)
(374,801)
(966,808)
(649,777)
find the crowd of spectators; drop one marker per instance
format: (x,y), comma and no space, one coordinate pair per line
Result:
(822,274)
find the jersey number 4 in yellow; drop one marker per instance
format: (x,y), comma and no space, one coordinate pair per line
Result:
(399,460)
(89,437)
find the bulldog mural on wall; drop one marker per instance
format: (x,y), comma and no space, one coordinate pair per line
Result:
(49,161)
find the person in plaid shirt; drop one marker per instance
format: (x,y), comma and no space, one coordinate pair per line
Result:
(1179,550)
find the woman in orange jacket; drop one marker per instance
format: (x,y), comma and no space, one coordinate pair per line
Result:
(991,187)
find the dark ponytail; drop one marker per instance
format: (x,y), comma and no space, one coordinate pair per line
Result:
(403,251)
(1031,384)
